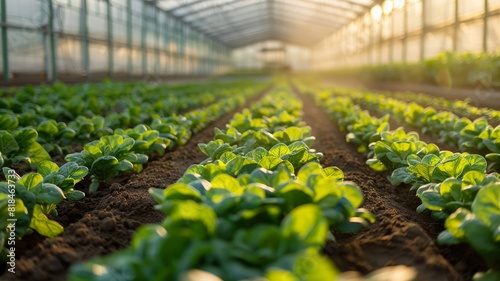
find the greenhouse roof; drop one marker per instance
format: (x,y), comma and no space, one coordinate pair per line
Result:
(237,23)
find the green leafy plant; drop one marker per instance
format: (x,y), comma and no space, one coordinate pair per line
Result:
(55,137)
(21,146)
(107,157)
(444,198)
(36,196)
(479,227)
(147,141)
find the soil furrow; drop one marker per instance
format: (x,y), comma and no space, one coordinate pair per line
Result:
(105,221)
(401,236)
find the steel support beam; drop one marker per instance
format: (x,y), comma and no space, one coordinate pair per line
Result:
(5,42)
(110,38)
(84,33)
(130,65)
(485,27)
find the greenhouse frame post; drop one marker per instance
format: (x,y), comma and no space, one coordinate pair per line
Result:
(130,66)
(423,32)
(157,40)
(109,16)
(485,27)
(85,38)
(52,43)
(405,38)
(143,39)
(456,26)
(5,44)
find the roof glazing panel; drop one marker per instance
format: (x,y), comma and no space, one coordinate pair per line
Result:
(303,22)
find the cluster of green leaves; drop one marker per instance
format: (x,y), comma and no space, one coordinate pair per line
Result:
(446,70)
(21,146)
(88,112)
(36,195)
(459,107)
(476,136)
(447,183)
(233,218)
(108,156)
(479,226)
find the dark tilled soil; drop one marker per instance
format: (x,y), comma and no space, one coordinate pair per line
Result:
(104,222)
(400,236)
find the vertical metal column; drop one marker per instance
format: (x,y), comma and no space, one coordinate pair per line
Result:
(456,27)
(485,27)
(166,43)
(52,43)
(405,38)
(110,38)
(391,42)
(144,51)
(423,32)
(84,38)
(130,65)
(157,40)
(5,43)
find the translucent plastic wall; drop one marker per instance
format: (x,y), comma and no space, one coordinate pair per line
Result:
(411,31)
(83,37)
(253,57)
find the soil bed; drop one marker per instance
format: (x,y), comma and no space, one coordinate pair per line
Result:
(400,236)
(105,221)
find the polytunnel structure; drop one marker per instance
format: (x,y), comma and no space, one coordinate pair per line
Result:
(250,140)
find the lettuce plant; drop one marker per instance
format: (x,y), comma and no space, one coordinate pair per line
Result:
(479,227)
(147,141)
(21,146)
(37,195)
(444,198)
(108,156)
(55,137)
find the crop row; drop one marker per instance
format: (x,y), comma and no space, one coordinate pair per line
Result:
(31,199)
(63,115)
(453,187)
(260,205)
(460,107)
(476,136)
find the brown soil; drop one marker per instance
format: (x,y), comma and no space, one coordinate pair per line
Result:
(104,222)
(400,236)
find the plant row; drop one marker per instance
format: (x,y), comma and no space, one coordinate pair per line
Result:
(460,107)
(260,206)
(476,136)
(31,199)
(95,111)
(469,70)
(453,187)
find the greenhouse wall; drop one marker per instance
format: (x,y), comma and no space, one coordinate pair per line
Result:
(411,31)
(50,38)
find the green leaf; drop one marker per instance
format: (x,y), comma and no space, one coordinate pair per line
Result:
(487,204)
(227,182)
(25,137)
(47,167)
(38,153)
(43,225)
(279,150)
(8,144)
(75,195)
(308,223)
(49,194)
(179,191)
(31,181)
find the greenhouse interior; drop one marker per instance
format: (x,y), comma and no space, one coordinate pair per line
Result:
(250,140)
